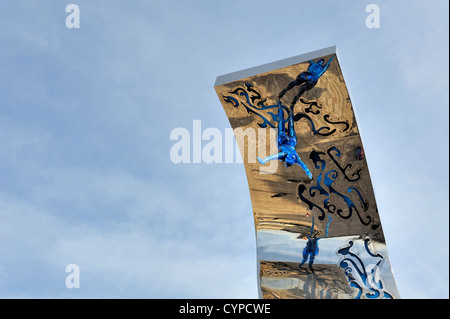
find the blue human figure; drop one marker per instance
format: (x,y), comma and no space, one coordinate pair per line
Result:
(312,245)
(286,143)
(307,79)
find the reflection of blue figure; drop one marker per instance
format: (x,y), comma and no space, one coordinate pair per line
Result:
(312,245)
(286,144)
(307,79)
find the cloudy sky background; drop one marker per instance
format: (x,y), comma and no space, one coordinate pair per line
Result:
(85,119)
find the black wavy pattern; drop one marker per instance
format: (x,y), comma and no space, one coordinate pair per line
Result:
(324,187)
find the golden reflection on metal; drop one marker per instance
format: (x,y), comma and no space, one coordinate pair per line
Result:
(337,205)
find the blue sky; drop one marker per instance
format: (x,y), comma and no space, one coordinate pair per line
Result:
(85,119)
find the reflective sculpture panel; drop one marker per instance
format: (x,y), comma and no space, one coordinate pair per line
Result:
(318,231)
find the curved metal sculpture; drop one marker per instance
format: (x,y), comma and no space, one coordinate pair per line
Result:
(330,198)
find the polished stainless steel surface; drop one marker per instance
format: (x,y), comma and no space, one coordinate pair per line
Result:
(337,205)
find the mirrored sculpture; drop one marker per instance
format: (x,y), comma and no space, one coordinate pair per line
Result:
(326,200)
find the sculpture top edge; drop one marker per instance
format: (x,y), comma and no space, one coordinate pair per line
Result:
(230,77)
